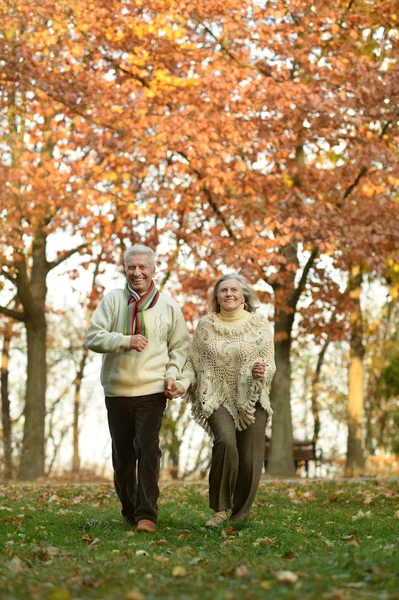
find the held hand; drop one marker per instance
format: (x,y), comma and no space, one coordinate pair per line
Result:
(173,389)
(138,342)
(258,370)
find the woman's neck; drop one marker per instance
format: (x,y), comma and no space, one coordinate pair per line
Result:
(233,316)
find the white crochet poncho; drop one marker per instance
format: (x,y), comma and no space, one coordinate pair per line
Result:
(218,371)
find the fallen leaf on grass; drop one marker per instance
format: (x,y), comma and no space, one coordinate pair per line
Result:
(287,577)
(396,515)
(300,530)
(335,497)
(266,585)
(389,547)
(5,508)
(309,496)
(266,541)
(354,542)
(292,496)
(162,542)
(134,595)
(228,543)
(46,554)
(373,570)
(362,515)
(161,559)
(288,555)
(350,535)
(178,571)
(141,553)
(229,531)
(87,538)
(195,561)
(185,536)
(368,497)
(16,565)
(59,594)
(335,595)
(241,571)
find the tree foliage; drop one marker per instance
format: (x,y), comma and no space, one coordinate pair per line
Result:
(259,136)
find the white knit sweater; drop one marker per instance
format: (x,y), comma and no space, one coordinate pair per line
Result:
(129,372)
(218,371)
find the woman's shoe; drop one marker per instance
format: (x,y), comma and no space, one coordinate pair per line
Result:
(217,518)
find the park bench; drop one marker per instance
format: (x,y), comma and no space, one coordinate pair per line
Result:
(302,451)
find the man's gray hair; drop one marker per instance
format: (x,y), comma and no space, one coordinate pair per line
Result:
(140,249)
(251,300)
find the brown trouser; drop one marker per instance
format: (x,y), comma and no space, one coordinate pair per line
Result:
(134,424)
(237,461)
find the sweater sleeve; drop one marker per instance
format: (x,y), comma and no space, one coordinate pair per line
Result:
(99,336)
(266,354)
(188,377)
(178,344)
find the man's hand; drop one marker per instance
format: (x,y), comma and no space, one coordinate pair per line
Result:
(137,342)
(173,389)
(258,370)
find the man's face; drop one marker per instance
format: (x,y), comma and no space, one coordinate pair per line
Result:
(139,272)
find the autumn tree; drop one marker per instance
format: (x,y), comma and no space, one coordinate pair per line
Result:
(47,171)
(255,137)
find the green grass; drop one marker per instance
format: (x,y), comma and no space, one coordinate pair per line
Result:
(69,542)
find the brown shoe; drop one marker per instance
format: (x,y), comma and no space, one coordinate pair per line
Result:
(145,525)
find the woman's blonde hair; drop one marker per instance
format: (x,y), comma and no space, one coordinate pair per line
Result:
(251,300)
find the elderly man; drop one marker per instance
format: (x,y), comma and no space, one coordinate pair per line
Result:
(144,340)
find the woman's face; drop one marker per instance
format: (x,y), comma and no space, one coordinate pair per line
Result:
(230,295)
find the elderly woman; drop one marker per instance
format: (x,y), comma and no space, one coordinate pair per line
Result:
(226,377)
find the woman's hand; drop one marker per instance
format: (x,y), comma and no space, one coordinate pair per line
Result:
(173,389)
(258,370)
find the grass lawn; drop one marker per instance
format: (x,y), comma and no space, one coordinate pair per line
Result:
(316,539)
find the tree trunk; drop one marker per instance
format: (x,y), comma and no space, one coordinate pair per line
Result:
(76,411)
(355,459)
(281,461)
(5,405)
(32,295)
(315,390)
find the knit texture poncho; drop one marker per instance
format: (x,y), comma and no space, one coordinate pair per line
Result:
(218,371)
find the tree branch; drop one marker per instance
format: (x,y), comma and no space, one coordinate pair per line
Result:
(352,186)
(14,314)
(211,201)
(224,44)
(304,276)
(8,276)
(51,265)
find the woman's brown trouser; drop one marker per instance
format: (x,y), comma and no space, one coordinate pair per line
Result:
(237,462)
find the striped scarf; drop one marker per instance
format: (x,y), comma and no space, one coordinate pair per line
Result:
(136,305)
